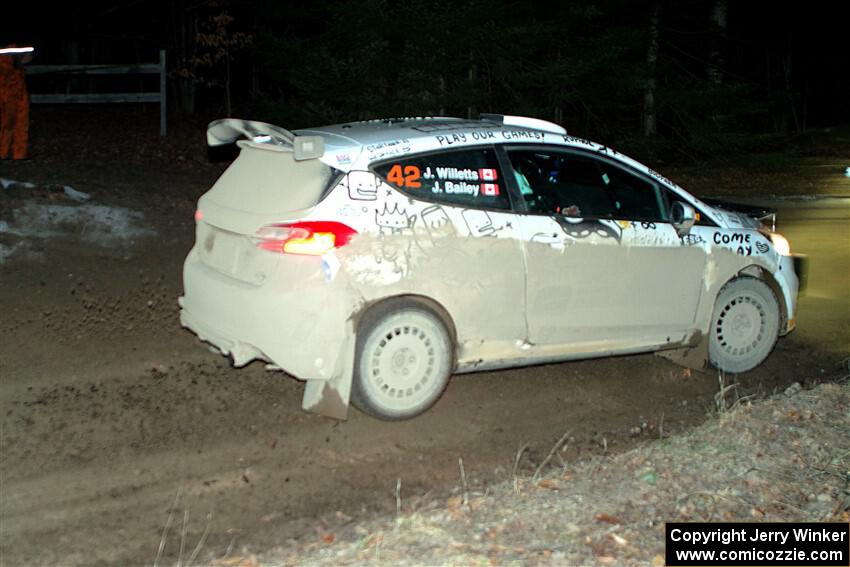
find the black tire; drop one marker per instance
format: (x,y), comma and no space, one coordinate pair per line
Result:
(744,325)
(402,362)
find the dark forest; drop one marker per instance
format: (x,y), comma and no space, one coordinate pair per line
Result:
(694,78)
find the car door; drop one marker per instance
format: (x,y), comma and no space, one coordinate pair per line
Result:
(604,264)
(454,212)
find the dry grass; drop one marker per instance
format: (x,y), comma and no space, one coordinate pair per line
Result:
(786,458)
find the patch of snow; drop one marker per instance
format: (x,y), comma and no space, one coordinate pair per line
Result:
(75,195)
(6,252)
(98,224)
(6,183)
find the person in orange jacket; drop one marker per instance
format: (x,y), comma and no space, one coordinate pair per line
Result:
(14,102)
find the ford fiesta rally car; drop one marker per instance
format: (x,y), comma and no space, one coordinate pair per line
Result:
(375,259)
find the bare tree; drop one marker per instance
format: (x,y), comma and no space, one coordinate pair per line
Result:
(716,55)
(649,118)
(185,18)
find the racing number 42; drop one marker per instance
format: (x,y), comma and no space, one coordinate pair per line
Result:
(408,178)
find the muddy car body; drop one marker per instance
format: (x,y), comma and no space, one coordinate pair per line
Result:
(375,259)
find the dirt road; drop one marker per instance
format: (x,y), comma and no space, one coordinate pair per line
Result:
(821,229)
(111,411)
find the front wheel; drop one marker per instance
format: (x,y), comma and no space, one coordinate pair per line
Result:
(744,326)
(402,362)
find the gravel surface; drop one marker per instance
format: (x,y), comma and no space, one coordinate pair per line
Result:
(109,409)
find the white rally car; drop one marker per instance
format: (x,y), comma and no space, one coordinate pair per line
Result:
(375,259)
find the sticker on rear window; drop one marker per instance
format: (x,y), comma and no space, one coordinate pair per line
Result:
(406,176)
(457,177)
(459,174)
(490,189)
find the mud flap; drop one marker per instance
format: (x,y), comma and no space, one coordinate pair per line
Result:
(331,397)
(695,357)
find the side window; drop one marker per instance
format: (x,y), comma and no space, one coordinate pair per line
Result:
(636,198)
(561,183)
(576,185)
(465,178)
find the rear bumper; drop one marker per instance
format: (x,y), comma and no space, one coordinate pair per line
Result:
(241,353)
(302,332)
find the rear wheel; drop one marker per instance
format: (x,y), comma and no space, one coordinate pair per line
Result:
(744,326)
(402,362)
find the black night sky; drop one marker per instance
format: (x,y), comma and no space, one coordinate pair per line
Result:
(734,78)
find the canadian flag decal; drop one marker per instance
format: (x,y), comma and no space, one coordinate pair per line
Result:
(490,189)
(488,175)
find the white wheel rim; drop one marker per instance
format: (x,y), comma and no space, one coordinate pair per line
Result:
(403,360)
(740,326)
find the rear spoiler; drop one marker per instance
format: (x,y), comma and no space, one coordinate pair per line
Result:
(228,130)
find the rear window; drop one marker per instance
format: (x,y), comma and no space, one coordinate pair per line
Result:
(272,181)
(465,178)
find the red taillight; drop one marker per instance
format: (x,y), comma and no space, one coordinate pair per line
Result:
(199,215)
(311,238)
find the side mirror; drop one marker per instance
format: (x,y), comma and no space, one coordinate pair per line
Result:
(683,217)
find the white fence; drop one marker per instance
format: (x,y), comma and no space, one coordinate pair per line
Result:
(96,98)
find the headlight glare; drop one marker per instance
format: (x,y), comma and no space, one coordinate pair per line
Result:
(780,243)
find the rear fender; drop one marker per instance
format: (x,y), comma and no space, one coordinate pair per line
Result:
(331,397)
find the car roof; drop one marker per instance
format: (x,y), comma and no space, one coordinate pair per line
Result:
(350,144)
(372,132)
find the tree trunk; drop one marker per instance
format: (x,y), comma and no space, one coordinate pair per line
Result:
(472,108)
(227,106)
(805,124)
(185,29)
(71,81)
(716,55)
(649,119)
(441,87)
(789,93)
